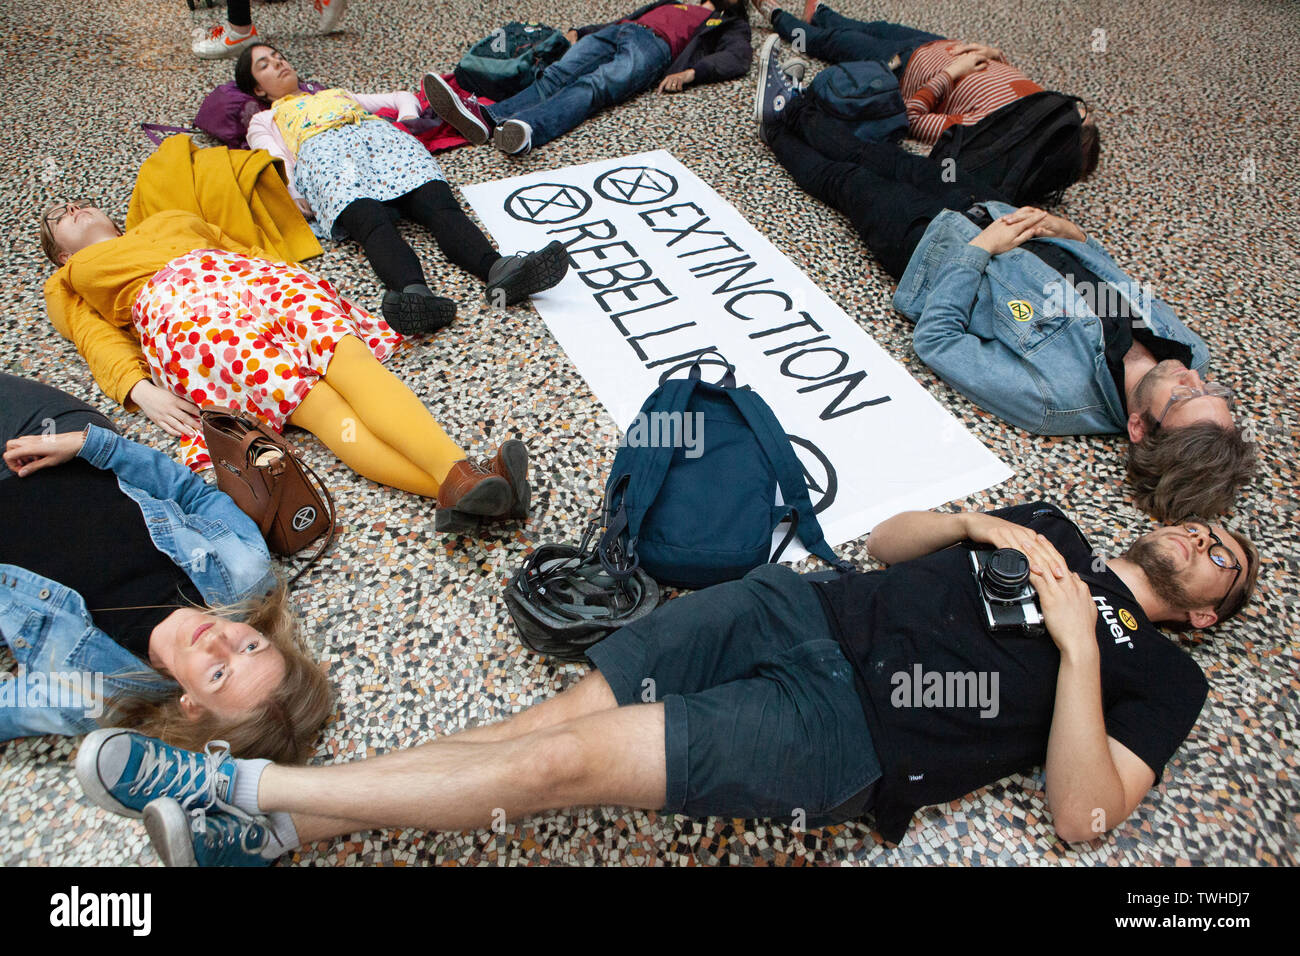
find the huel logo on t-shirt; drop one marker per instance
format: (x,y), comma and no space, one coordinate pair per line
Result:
(1108,614)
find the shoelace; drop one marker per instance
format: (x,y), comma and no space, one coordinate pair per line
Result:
(217,32)
(229,829)
(154,772)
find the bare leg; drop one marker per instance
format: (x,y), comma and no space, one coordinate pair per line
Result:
(610,757)
(590,695)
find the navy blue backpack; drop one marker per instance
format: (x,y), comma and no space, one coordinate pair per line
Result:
(696,521)
(866,95)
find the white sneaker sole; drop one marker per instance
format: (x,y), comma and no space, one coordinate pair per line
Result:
(88,773)
(764,58)
(513,138)
(169,832)
(444,101)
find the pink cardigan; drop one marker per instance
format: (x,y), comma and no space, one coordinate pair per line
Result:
(263,133)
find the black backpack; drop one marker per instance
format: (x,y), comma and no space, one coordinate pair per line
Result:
(1029,150)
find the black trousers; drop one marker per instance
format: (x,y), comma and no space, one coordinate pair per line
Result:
(433,205)
(889,194)
(32,408)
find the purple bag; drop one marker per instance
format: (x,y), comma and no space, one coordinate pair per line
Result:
(227,110)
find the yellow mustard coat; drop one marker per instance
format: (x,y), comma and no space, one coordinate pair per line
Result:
(185,198)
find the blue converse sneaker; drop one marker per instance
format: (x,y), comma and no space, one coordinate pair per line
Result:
(123,771)
(208,838)
(775,91)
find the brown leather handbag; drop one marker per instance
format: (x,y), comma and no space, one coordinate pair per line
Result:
(262,472)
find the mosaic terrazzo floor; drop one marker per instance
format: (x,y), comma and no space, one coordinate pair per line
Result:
(1197,193)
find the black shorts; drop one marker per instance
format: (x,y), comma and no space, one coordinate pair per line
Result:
(761,715)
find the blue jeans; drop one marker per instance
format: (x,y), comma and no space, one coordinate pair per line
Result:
(601,69)
(839,39)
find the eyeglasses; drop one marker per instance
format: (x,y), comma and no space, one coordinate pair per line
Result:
(1222,556)
(1183,393)
(55,214)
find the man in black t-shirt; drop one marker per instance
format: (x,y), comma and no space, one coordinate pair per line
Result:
(1103,700)
(809,702)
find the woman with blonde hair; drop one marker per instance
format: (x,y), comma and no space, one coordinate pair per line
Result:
(175,315)
(136,595)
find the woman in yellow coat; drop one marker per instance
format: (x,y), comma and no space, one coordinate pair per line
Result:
(174,315)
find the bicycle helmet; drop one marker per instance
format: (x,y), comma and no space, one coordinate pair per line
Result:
(564,599)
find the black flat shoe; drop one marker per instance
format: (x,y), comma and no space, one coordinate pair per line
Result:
(514,278)
(417,313)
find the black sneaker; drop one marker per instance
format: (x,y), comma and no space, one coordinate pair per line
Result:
(416,310)
(514,278)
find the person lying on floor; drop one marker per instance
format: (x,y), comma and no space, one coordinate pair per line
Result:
(1021,311)
(355,174)
(778,697)
(136,595)
(944,82)
(174,315)
(673,44)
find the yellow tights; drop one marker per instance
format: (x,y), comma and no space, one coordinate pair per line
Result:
(375,424)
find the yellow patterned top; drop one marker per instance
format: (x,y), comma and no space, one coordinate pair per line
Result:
(299,116)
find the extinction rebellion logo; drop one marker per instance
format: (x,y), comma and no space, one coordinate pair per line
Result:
(303,518)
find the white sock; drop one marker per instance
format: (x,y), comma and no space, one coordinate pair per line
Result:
(285,832)
(237,32)
(248,774)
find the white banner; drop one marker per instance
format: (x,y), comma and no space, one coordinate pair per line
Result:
(663,270)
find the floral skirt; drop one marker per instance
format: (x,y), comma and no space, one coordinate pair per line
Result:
(370,160)
(221,328)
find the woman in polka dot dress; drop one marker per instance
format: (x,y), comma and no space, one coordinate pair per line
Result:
(176,302)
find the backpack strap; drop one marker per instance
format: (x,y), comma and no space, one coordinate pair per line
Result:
(154,131)
(789,473)
(641,483)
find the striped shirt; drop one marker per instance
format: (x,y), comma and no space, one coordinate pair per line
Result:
(934,102)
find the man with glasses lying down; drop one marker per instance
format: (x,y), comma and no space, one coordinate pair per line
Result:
(804,701)
(1020,310)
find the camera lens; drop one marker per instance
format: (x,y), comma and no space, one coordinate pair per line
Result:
(1005,574)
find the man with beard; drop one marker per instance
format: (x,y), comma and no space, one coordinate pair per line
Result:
(1020,310)
(809,702)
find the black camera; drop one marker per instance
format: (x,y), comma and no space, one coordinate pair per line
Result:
(1010,604)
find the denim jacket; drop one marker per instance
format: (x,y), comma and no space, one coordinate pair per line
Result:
(1040,363)
(68,667)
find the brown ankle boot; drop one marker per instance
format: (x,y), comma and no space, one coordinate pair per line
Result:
(471,491)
